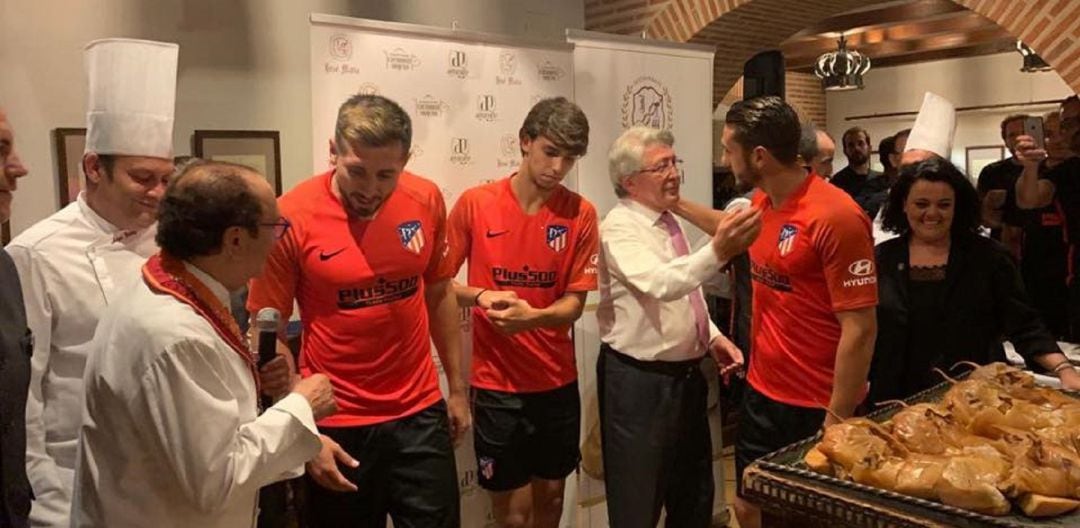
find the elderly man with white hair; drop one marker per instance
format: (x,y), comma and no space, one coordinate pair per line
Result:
(655,331)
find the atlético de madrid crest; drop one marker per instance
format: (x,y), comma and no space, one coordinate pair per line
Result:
(412,237)
(556,237)
(647,102)
(787,239)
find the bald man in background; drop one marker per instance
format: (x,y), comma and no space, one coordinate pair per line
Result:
(16,344)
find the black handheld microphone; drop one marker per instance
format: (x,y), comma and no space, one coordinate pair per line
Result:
(267,324)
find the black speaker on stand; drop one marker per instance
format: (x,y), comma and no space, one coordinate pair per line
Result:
(763,75)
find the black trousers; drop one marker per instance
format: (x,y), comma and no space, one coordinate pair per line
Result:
(656,442)
(766,425)
(406,471)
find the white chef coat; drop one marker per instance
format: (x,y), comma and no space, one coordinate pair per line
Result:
(644,309)
(171,435)
(71,266)
(880,234)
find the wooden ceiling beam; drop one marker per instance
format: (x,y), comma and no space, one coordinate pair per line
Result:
(915,10)
(988,48)
(965,23)
(928,50)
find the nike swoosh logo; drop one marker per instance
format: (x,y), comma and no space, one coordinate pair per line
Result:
(493,234)
(324,256)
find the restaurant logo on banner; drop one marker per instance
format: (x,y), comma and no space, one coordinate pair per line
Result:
(459,152)
(507,66)
(508,145)
(429,106)
(550,72)
(647,102)
(398,59)
(507,62)
(459,64)
(447,193)
(467,482)
(485,108)
(508,151)
(465,319)
(340,47)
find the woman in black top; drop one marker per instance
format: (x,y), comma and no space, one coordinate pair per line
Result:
(947,294)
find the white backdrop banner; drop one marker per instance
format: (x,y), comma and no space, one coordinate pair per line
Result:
(467,94)
(623,81)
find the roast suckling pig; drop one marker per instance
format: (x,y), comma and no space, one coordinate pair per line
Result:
(993,437)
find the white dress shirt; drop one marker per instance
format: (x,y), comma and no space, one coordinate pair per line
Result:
(71,266)
(644,309)
(171,435)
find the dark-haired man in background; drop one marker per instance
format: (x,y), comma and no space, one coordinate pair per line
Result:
(886,147)
(995,182)
(1061,186)
(857,179)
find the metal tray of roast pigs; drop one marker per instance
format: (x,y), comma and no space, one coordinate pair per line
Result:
(827,498)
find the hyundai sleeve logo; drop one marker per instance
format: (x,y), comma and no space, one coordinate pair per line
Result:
(861,268)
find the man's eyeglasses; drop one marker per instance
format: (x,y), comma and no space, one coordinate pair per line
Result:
(664,166)
(280,227)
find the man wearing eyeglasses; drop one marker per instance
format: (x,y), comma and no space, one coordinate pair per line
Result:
(531,245)
(363,260)
(1061,186)
(172,433)
(655,331)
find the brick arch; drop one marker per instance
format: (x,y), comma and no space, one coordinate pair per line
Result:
(1050,27)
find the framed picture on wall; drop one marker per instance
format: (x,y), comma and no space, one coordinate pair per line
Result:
(258,149)
(981,156)
(69,144)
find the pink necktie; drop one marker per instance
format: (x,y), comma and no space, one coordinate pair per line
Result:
(697,301)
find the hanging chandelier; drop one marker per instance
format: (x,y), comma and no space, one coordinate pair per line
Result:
(842,69)
(1032,61)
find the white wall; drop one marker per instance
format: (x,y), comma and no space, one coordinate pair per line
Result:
(976,81)
(243,65)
